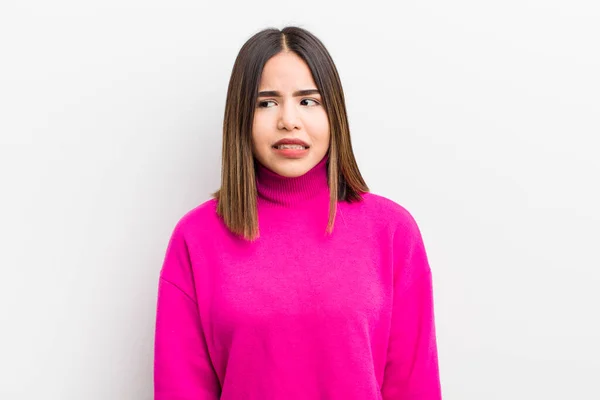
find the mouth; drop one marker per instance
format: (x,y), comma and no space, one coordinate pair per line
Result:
(291,151)
(290,146)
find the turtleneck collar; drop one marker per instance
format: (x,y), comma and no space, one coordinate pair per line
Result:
(286,191)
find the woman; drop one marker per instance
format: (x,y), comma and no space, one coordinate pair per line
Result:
(294,281)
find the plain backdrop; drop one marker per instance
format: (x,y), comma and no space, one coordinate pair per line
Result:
(481,118)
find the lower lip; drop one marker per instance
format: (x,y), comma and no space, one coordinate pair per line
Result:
(291,153)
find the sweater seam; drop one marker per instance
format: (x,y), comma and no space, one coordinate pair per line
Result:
(179,289)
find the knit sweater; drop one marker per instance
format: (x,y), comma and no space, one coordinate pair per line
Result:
(297,314)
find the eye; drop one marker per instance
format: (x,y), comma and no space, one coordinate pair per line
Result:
(264,103)
(316,103)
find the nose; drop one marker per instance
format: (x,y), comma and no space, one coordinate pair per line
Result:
(288,117)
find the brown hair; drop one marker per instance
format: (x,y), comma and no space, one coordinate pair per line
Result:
(237,197)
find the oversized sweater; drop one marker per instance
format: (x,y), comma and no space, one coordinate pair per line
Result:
(297,314)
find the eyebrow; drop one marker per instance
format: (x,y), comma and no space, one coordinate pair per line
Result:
(274,93)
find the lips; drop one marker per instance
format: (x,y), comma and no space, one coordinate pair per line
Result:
(291,141)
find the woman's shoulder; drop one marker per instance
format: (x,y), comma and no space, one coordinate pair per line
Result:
(388,212)
(201,218)
(385,207)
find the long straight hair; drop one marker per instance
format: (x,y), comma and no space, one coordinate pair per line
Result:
(237,197)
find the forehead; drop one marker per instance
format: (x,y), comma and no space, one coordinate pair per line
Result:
(286,70)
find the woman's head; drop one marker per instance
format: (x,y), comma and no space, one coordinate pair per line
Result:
(263,106)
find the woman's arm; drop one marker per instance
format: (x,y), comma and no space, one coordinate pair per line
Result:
(182,366)
(411,371)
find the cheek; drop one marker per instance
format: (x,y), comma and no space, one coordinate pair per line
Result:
(319,127)
(256,124)
(259,139)
(259,130)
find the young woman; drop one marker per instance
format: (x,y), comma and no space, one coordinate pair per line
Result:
(294,281)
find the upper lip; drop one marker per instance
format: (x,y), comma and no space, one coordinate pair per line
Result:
(290,141)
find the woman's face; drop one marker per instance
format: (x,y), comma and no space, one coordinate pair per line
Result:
(283,113)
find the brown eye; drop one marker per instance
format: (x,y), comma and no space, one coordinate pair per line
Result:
(264,104)
(315,103)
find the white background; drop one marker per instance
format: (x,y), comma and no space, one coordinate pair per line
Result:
(481,118)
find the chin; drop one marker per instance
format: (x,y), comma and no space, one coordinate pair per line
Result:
(292,168)
(290,171)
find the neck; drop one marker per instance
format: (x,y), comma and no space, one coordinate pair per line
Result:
(285,191)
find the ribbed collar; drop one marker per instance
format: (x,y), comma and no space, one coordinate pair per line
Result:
(286,191)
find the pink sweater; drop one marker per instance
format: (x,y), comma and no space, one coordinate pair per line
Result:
(297,314)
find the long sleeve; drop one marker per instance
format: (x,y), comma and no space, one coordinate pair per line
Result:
(411,371)
(182,366)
